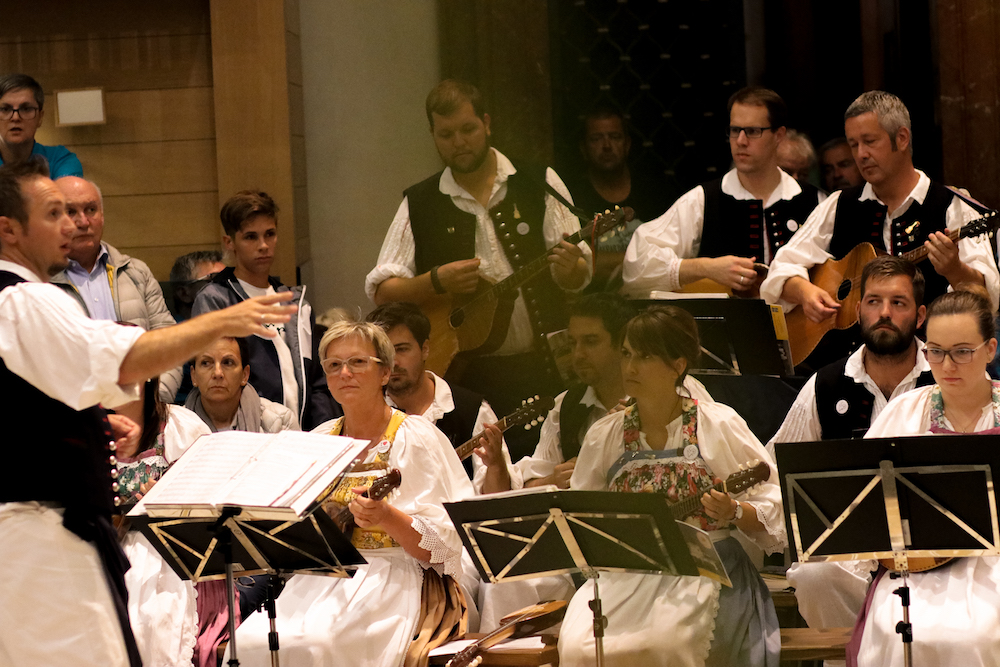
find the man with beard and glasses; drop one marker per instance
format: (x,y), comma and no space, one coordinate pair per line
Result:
(842,400)
(485,216)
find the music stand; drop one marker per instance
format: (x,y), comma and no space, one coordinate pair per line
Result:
(738,336)
(898,498)
(526,535)
(208,548)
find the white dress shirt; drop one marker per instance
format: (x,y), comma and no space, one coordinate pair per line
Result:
(397,257)
(809,246)
(653,258)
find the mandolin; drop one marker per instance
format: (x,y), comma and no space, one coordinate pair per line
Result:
(527,621)
(379,489)
(922,564)
(477,323)
(841,279)
(531,412)
(735,483)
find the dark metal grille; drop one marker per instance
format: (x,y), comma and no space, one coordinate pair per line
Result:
(669,66)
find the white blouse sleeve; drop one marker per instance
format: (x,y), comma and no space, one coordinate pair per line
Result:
(548,453)
(801,424)
(653,257)
(908,414)
(431,476)
(397,258)
(560,220)
(183,428)
(602,446)
(727,443)
(47,340)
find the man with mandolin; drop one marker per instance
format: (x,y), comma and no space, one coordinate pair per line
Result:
(720,231)
(479,221)
(898,210)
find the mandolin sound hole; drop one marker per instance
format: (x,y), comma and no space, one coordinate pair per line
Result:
(845,289)
(456,318)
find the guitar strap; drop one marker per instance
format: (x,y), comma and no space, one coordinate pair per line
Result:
(977,206)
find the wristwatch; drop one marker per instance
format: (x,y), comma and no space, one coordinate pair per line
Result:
(739,511)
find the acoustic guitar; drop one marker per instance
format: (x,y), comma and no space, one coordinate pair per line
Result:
(841,279)
(477,323)
(922,564)
(531,412)
(735,483)
(709,286)
(521,623)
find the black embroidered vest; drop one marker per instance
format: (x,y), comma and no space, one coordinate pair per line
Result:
(738,226)
(442,233)
(858,221)
(459,424)
(572,415)
(844,406)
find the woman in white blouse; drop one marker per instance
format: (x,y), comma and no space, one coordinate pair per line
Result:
(671,444)
(407,539)
(954,609)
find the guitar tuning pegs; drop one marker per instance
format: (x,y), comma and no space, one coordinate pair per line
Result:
(527,427)
(534,422)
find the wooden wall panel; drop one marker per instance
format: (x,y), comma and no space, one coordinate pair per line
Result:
(155,158)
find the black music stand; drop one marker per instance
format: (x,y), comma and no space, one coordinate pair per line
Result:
(738,336)
(527,535)
(204,549)
(898,498)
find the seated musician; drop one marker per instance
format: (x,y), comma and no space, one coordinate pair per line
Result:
(721,228)
(898,209)
(407,539)
(684,445)
(842,400)
(457,412)
(223,397)
(954,608)
(484,216)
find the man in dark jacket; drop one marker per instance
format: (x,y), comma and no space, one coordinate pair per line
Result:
(283,369)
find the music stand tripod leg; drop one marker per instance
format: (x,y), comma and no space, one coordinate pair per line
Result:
(224,535)
(272,636)
(600,620)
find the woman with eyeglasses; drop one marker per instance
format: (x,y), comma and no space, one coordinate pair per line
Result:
(668,443)
(955,609)
(412,548)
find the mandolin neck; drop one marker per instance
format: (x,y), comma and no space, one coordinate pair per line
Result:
(465,449)
(514,281)
(682,508)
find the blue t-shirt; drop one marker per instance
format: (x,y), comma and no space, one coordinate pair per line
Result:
(62,161)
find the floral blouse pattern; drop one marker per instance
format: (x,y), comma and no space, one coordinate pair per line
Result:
(937,409)
(676,473)
(148,465)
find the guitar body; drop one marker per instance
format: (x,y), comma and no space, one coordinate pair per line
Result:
(475,323)
(841,279)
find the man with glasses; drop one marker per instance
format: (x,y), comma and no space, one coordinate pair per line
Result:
(720,229)
(21,110)
(842,400)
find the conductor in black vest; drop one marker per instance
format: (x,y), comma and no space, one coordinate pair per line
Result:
(62,595)
(719,229)
(484,215)
(843,399)
(897,209)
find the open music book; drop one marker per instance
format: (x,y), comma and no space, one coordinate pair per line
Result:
(275,476)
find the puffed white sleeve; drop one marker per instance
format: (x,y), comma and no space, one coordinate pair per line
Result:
(801,424)
(548,453)
(397,258)
(560,220)
(183,428)
(431,476)
(48,340)
(807,248)
(908,414)
(602,446)
(977,253)
(487,416)
(653,257)
(726,443)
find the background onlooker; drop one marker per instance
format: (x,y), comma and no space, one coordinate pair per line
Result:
(22,107)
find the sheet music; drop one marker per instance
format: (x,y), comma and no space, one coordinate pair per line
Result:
(251,470)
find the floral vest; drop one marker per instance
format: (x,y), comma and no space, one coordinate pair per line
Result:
(364,474)
(938,424)
(676,473)
(148,465)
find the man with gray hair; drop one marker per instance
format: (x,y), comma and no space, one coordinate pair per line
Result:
(837,165)
(796,155)
(897,209)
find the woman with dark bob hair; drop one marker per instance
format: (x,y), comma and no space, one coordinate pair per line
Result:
(665,442)
(955,608)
